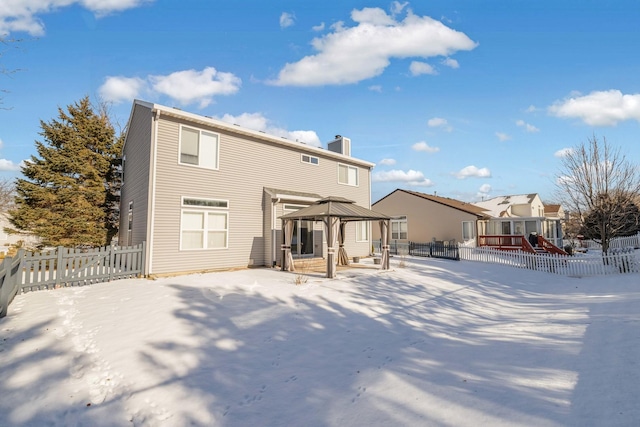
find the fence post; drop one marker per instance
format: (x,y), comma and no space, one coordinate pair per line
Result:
(59,266)
(143,257)
(112,257)
(9,283)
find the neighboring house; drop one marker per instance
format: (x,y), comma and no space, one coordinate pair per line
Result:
(7,240)
(521,215)
(554,211)
(422,218)
(205,194)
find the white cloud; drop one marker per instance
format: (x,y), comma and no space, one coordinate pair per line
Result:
(439,122)
(483,192)
(411,177)
(388,162)
(436,121)
(375,88)
(319,27)
(22,16)
(257,121)
(484,188)
(423,146)
(8,165)
(452,63)
(287,20)
(473,172)
(117,89)
(190,86)
(565,179)
(1,143)
(528,127)
(503,136)
(531,109)
(417,68)
(599,108)
(397,7)
(563,152)
(185,87)
(351,54)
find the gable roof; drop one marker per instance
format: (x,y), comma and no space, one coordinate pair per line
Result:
(552,209)
(338,207)
(497,205)
(446,201)
(234,128)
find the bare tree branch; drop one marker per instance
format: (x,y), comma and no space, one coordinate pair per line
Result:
(597,180)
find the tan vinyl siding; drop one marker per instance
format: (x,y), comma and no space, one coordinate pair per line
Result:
(137,151)
(426,220)
(246,166)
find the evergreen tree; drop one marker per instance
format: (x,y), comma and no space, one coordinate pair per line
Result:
(69,194)
(621,218)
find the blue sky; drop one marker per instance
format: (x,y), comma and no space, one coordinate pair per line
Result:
(466,99)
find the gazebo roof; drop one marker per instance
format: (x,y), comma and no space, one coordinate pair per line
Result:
(337,207)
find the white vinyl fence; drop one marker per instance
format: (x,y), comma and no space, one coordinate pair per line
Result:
(615,243)
(621,261)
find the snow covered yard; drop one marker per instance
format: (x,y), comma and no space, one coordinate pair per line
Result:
(436,343)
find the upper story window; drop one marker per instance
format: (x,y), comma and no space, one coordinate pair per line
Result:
(309,159)
(198,148)
(347,175)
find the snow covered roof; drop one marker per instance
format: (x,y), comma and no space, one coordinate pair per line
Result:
(500,204)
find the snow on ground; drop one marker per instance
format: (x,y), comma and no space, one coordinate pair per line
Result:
(433,343)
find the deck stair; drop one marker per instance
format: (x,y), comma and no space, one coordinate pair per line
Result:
(310,264)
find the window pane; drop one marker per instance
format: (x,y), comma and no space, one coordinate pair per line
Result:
(189,146)
(314,160)
(467,230)
(192,239)
(353,176)
(217,221)
(192,221)
(342,174)
(362,231)
(209,150)
(206,202)
(216,239)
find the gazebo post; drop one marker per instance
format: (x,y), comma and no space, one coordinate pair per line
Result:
(384,243)
(332,230)
(287,234)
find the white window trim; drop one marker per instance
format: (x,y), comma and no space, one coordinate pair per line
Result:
(205,210)
(199,139)
(182,199)
(357,184)
(367,228)
(302,156)
(473,229)
(399,219)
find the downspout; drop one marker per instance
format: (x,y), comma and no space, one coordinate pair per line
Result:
(273,231)
(152,194)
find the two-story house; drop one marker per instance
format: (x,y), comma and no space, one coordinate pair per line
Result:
(521,215)
(206,195)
